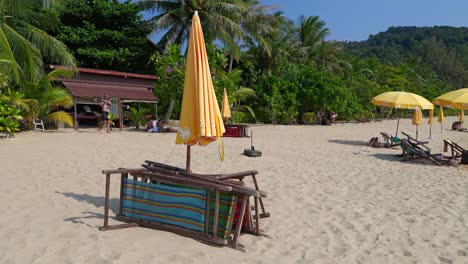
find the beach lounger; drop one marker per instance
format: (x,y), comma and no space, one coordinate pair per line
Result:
(189,206)
(413,140)
(412,151)
(155,166)
(390,141)
(455,149)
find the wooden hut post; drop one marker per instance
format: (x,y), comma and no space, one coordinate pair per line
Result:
(75,113)
(120,114)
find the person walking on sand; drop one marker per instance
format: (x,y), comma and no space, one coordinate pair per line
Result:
(105,104)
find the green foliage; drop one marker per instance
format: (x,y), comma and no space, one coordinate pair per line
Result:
(441,48)
(138,116)
(25,43)
(309,117)
(47,100)
(106,34)
(10,113)
(170,67)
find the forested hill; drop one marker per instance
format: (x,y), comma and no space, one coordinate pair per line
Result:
(442,48)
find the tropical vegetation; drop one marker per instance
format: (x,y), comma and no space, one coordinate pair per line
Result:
(275,70)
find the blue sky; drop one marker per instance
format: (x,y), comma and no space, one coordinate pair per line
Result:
(355,20)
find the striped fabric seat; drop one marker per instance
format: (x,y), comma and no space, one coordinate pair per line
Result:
(176,205)
(225,215)
(180,206)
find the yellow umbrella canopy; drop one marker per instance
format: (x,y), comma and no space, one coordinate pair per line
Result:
(430,121)
(441,119)
(457,99)
(417,119)
(402,100)
(225,109)
(200,118)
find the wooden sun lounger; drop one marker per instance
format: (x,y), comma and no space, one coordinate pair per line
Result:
(412,151)
(455,149)
(204,209)
(415,141)
(390,141)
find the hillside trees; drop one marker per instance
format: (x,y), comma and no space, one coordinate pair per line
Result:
(106,34)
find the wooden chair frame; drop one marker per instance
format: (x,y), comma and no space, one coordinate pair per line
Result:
(413,151)
(455,149)
(146,176)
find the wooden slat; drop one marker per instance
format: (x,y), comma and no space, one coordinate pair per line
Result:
(216,216)
(174,229)
(239,221)
(207,212)
(119,226)
(236,187)
(106,201)
(182,180)
(257,217)
(123,170)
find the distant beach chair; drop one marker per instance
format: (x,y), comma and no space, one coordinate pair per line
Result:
(38,123)
(455,149)
(412,151)
(413,140)
(390,141)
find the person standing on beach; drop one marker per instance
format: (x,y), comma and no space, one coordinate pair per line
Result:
(105,104)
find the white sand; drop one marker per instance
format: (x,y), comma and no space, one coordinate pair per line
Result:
(332,199)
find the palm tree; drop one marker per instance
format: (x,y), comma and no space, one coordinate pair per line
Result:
(229,21)
(49,98)
(24,41)
(311,45)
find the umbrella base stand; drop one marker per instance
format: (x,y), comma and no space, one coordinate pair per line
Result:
(252,152)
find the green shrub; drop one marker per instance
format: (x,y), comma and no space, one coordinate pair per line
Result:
(309,117)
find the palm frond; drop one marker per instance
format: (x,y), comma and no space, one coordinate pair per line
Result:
(26,55)
(60,117)
(49,46)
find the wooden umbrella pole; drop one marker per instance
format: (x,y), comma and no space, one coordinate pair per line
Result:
(187,166)
(417,132)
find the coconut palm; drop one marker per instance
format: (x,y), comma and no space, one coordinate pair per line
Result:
(229,21)
(48,99)
(24,41)
(311,45)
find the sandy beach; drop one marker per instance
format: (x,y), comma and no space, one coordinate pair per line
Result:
(332,198)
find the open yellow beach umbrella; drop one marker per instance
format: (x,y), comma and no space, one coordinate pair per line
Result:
(402,100)
(457,99)
(417,119)
(200,118)
(441,118)
(225,108)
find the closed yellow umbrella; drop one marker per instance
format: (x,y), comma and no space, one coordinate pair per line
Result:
(225,109)
(457,99)
(402,100)
(441,118)
(200,118)
(417,119)
(430,121)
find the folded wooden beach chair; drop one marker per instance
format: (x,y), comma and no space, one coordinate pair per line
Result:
(412,151)
(190,206)
(390,141)
(156,166)
(455,149)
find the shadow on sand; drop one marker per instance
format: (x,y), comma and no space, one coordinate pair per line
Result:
(350,142)
(98,202)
